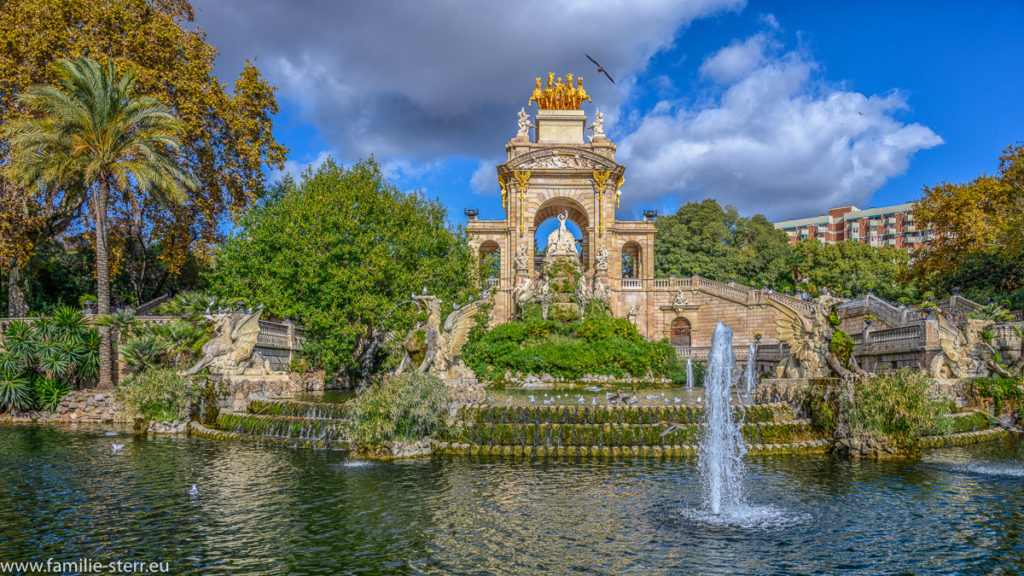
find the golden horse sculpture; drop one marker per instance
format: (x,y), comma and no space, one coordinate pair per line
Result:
(558,95)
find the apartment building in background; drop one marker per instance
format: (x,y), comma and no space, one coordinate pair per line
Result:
(886,226)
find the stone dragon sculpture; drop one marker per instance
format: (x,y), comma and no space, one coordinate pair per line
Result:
(809,337)
(963,353)
(440,346)
(231,352)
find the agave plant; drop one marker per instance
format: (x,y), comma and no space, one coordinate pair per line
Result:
(993,312)
(20,341)
(15,392)
(183,338)
(190,305)
(143,352)
(49,392)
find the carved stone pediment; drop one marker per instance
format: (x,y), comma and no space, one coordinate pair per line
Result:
(680,307)
(561,158)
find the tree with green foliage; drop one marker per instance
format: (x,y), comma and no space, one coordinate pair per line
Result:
(340,252)
(95,136)
(850,266)
(978,244)
(227,141)
(717,243)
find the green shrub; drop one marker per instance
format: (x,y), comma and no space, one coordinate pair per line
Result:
(1005,392)
(157,395)
(895,407)
(600,344)
(841,347)
(62,347)
(406,407)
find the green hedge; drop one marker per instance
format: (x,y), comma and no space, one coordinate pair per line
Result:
(599,345)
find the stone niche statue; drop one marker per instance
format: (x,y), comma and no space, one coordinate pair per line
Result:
(601,262)
(520,263)
(561,242)
(633,313)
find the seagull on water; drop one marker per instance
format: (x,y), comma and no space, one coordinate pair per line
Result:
(193,491)
(114,447)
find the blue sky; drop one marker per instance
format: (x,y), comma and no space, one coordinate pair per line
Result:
(782,108)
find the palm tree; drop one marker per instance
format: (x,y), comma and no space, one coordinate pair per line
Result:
(95,135)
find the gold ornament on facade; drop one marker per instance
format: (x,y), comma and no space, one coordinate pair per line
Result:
(558,95)
(522,179)
(618,192)
(600,186)
(504,195)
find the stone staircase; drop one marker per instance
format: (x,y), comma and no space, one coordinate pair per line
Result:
(605,431)
(282,423)
(619,431)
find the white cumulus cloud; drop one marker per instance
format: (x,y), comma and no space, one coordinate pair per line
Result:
(775,140)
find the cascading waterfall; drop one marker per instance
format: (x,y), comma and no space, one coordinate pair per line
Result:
(689,373)
(748,374)
(721,446)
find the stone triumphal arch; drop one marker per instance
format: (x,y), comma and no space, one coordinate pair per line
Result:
(562,164)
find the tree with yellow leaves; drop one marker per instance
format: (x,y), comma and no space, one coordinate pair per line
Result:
(227,142)
(978,243)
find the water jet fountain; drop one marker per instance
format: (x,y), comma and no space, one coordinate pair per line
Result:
(750,380)
(689,373)
(721,447)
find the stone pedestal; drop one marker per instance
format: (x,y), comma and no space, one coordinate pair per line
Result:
(561,126)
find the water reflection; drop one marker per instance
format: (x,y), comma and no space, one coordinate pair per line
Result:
(281,511)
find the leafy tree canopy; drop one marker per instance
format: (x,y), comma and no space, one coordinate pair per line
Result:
(338,251)
(227,142)
(978,243)
(717,243)
(850,266)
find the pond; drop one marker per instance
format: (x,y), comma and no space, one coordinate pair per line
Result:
(67,495)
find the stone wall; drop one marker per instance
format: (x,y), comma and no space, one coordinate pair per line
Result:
(235,392)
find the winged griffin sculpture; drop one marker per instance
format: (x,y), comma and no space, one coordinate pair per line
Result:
(231,352)
(439,346)
(963,354)
(809,336)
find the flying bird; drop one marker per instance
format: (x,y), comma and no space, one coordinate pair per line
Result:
(670,428)
(600,69)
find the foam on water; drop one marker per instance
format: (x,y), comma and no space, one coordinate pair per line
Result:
(742,517)
(357,463)
(983,468)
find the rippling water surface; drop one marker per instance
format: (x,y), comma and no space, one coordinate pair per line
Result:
(66,495)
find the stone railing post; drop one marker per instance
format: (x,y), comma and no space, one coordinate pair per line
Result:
(290,338)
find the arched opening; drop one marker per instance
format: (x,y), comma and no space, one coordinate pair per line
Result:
(490,261)
(680,332)
(631,260)
(545,221)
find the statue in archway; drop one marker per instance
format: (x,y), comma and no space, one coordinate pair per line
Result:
(561,242)
(601,263)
